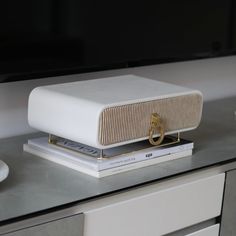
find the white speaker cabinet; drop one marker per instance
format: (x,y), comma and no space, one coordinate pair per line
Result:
(113,111)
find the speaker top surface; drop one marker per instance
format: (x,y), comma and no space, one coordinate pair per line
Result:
(118,90)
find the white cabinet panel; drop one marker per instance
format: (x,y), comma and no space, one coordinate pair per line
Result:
(71,226)
(209,231)
(159,213)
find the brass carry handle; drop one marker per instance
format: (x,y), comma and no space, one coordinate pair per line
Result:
(156,124)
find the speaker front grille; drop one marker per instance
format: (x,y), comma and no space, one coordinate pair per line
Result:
(132,121)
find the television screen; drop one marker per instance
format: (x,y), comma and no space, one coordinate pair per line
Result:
(57,37)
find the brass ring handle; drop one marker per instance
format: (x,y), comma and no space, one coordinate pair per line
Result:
(156,124)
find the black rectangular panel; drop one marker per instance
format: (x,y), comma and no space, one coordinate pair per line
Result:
(52,37)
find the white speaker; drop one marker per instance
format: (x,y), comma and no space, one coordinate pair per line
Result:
(114,111)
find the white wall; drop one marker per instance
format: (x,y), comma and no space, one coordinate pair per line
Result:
(216,78)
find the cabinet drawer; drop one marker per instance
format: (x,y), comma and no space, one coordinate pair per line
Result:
(71,226)
(159,213)
(209,231)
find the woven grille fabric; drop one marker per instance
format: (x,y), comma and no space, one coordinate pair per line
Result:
(132,121)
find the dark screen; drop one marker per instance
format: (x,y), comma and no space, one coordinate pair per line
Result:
(53,37)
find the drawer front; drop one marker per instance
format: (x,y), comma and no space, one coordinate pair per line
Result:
(71,226)
(159,213)
(209,231)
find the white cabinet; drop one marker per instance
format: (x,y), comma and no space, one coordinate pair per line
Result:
(172,207)
(209,231)
(161,212)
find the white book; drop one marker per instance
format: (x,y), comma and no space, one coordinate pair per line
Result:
(116,157)
(99,174)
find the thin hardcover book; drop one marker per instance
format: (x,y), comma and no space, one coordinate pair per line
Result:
(114,157)
(107,172)
(124,158)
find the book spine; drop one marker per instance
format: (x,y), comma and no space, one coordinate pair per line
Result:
(142,156)
(144,163)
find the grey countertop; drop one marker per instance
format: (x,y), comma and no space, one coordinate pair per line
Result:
(36,185)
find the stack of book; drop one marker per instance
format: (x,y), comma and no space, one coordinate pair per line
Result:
(88,159)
